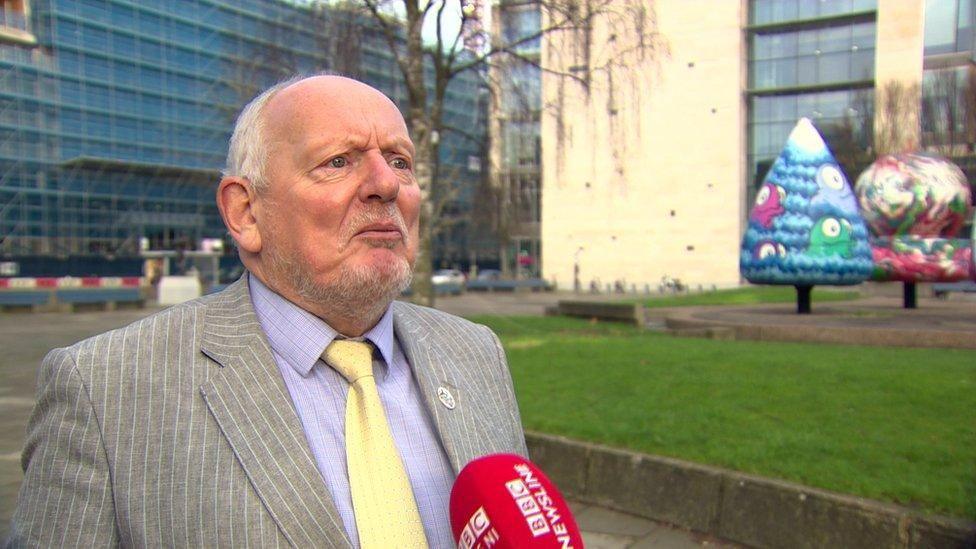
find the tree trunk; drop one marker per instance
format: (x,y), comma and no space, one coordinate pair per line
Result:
(423,290)
(426,150)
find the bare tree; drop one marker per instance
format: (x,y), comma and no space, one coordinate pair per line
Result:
(949,113)
(429,68)
(896,121)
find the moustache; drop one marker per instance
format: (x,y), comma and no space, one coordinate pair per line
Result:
(381,215)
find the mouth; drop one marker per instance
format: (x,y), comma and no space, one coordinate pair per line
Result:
(381,231)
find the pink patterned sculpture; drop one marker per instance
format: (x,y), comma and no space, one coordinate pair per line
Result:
(919,194)
(915,203)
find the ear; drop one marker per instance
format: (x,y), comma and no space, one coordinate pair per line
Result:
(237,202)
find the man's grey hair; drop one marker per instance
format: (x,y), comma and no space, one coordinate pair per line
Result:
(247,153)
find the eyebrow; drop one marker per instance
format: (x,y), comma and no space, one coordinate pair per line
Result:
(317,152)
(404,143)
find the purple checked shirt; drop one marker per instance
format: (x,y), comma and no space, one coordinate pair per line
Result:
(298,339)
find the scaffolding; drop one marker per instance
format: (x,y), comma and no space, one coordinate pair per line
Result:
(115,114)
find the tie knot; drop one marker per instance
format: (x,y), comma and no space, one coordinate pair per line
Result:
(352,359)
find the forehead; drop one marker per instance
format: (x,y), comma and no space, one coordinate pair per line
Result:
(332,108)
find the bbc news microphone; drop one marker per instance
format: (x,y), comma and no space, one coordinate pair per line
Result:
(505,501)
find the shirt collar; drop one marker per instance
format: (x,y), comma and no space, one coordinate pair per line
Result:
(300,337)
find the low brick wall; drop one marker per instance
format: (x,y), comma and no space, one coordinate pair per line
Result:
(746,509)
(763,328)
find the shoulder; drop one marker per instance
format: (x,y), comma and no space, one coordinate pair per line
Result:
(177,322)
(418,323)
(426,317)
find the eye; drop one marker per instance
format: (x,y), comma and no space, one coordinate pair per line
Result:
(830,176)
(782,250)
(782,193)
(763,195)
(831,227)
(338,162)
(767,250)
(400,163)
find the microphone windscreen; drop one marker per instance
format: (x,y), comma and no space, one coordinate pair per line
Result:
(505,501)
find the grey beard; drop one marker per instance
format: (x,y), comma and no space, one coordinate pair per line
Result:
(354,293)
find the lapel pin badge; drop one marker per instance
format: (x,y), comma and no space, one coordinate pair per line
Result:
(446,398)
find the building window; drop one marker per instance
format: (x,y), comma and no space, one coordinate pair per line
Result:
(949,26)
(764,12)
(948,113)
(813,60)
(14,15)
(812,56)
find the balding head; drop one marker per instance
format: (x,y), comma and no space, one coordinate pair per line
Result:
(250,142)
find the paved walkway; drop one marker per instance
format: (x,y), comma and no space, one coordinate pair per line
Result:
(872,321)
(606,529)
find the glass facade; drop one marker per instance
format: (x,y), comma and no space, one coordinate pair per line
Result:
(519,88)
(773,116)
(762,12)
(808,59)
(114,126)
(948,111)
(947,106)
(949,26)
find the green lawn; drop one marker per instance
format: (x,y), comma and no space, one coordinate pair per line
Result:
(748,295)
(886,423)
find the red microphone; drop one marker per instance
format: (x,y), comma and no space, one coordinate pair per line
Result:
(505,501)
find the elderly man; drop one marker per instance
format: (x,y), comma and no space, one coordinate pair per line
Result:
(300,406)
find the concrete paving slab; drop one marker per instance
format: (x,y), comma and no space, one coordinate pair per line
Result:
(604,528)
(598,519)
(594,540)
(670,538)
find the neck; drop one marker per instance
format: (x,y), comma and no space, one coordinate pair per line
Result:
(349,317)
(351,327)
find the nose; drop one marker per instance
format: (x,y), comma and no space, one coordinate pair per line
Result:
(380,182)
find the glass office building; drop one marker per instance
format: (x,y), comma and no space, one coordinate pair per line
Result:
(948,113)
(808,59)
(518,89)
(816,59)
(115,114)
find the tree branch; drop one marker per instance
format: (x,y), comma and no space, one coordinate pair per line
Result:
(389,33)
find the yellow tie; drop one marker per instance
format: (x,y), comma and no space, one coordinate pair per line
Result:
(386,513)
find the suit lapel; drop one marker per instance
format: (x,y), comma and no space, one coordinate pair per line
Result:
(434,371)
(249,401)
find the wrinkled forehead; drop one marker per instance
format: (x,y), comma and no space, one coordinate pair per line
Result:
(320,104)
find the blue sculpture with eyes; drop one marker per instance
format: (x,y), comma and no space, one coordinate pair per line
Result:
(834,195)
(815,234)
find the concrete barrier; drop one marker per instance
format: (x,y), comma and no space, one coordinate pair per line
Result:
(619,312)
(66,294)
(743,508)
(505,285)
(177,289)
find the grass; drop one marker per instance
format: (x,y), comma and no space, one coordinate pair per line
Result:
(885,423)
(748,295)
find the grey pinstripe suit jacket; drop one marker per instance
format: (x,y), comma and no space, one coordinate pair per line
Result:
(178,430)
